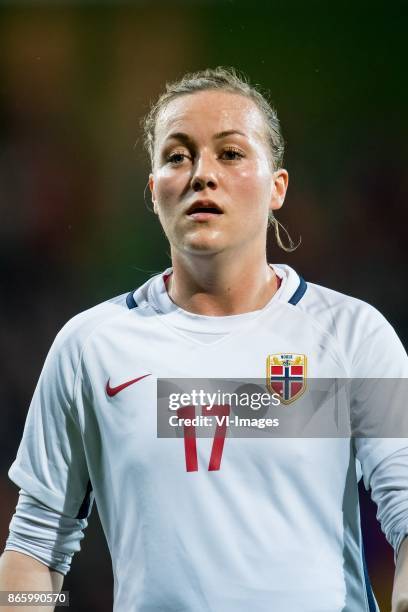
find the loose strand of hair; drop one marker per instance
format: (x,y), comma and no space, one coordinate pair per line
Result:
(277,226)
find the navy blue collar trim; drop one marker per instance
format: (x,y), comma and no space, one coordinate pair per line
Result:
(130,301)
(299,293)
(296,297)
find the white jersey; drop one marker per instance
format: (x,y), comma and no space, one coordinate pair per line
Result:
(259,524)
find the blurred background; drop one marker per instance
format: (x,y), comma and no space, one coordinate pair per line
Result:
(75,79)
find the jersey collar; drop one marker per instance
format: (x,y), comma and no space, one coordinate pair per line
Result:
(291,291)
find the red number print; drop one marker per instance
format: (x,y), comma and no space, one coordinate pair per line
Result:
(190,438)
(219,436)
(190,444)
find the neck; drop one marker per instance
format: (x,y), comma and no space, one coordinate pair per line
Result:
(218,285)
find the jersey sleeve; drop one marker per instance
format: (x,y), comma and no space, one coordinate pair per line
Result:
(50,464)
(390,493)
(44,534)
(379,405)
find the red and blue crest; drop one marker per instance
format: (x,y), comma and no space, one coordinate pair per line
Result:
(286,375)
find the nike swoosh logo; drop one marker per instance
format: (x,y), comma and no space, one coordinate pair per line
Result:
(112,391)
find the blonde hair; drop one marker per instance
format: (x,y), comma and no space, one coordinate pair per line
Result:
(226,79)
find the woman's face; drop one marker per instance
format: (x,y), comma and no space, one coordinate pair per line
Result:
(213,183)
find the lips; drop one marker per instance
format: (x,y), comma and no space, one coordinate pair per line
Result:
(204,207)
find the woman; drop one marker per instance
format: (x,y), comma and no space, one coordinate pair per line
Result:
(223,524)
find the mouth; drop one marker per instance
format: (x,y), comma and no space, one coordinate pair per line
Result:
(201,210)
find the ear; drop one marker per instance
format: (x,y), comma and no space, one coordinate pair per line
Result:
(151,187)
(279,186)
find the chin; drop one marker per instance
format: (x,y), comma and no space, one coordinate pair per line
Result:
(201,248)
(203,242)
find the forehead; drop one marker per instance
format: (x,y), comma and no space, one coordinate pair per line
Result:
(205,113)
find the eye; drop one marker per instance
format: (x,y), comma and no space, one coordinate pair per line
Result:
(177,158)
(232,154)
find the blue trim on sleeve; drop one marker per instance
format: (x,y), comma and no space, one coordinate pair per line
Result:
(299,293)
(369,589)
(84,509)
(130,301)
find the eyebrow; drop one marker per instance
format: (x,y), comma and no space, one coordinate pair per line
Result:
(187,139)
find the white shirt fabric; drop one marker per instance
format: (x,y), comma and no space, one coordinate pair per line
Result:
(44,534)
(277,526)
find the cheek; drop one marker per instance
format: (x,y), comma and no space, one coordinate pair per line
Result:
(167,186)
(253,182)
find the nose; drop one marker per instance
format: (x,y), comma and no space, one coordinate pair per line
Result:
(203,175)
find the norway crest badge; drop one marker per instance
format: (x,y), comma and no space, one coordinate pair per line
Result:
(286,375)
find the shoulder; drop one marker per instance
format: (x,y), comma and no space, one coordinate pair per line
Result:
(366,337)
(110,319)
(339,312)
(72,337)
